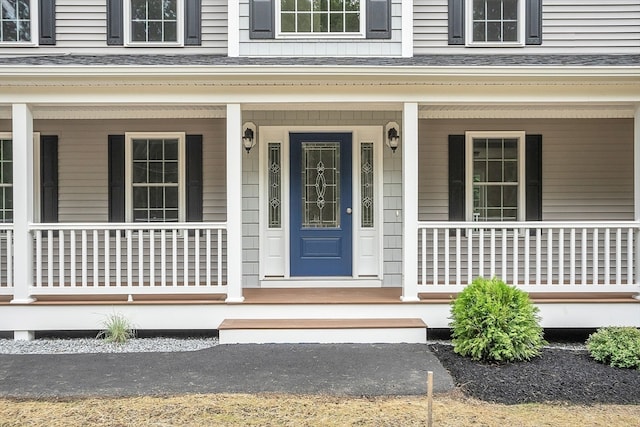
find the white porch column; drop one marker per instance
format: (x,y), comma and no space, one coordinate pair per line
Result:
(234,203)
(410,202)
(636,188)
(22,135)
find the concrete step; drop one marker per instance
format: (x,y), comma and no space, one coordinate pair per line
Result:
(327,331)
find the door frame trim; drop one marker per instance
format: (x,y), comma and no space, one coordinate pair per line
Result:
(280,245)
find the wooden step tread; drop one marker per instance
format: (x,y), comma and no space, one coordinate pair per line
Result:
(321,323)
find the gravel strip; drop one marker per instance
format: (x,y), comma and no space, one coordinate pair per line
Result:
(92,345)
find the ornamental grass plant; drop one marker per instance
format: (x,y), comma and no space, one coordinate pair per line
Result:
(117,329)
(495,322)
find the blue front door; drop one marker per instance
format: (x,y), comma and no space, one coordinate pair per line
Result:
(320,204)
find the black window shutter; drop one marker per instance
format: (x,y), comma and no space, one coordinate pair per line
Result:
(533,25)
(116,178)
(533,177)
(456,178)
(194,178)
(261,19)
(456,22)
(49,178)
(47,24)
(193,23)
(378,19)
(115,23)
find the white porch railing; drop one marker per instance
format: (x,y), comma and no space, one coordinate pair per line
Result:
(6,259)
(535,256)
(131,258)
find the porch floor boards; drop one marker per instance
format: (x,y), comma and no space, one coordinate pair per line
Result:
(322,296)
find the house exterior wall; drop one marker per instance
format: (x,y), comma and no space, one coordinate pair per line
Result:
(81,27)
(322,46)
(392,185)
(584,26)
(587,166)
(83,169)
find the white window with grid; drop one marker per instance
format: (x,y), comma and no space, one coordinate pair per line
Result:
(17,21)
(495,176)
(151,22)
(495,22)
(324,18)
(155,177)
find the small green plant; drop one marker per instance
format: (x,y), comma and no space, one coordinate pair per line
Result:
(616,346)
(117,329)
(495,322)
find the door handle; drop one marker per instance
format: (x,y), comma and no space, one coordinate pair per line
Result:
(349,211)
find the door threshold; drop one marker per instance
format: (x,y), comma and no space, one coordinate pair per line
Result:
(314,282)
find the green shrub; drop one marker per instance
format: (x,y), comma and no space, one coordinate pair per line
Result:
(616,346)
(117,329)
(493,321)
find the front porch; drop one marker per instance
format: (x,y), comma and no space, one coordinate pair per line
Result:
(410,254)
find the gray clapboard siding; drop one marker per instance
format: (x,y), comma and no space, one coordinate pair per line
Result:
(584,26)
(327,46)
(83,171)
(587,166)
(81,27)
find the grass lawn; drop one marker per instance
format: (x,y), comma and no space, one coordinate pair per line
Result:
(286,410)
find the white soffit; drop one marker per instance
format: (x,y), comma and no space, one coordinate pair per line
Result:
(526,111)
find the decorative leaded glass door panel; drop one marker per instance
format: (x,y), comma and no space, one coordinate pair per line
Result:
(321,221)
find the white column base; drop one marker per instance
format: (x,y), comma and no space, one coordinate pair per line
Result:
(409,299)
(234,300)
(24,335)
(22,300)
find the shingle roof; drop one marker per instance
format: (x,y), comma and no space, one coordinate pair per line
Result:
(184,60)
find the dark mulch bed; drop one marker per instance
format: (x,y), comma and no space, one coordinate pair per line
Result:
(557,376)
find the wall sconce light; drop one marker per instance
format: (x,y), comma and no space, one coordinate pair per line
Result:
(248,136)
(393,137)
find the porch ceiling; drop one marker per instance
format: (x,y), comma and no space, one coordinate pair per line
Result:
(122,111)
(527,111)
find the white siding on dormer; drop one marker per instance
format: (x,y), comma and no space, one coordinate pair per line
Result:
(568,27)
(81,27)
(322,46)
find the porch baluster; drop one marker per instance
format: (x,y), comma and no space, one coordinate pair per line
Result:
(596,270)
(107,258)
(561,256)
(584,256)
(38,258)
(572,257)
(493,252)
(515,256)
(50,258)
(435,256)
(163,258)
(61,256)
(196,268)
(96,259)
(72,255)
(208,257)
(185,260)
(607,254)
(84,258)
(219,257)
(549,257)
(152,258)
(424,256)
